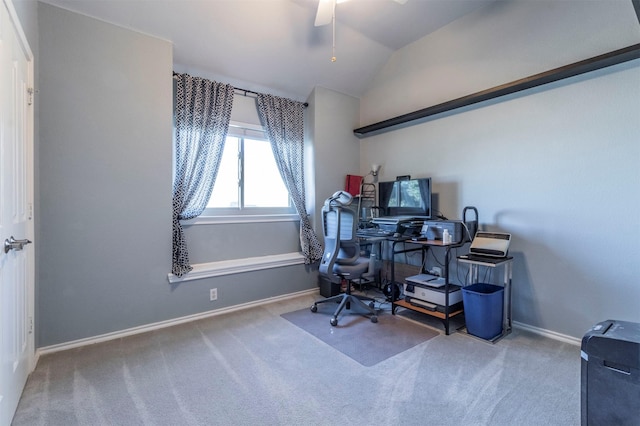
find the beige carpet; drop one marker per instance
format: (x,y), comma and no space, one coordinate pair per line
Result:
(253,367)
(357,337)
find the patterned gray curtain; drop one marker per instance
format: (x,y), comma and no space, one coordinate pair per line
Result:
(283,120)
(202,115)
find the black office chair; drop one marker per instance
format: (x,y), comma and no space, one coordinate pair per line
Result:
(341,259)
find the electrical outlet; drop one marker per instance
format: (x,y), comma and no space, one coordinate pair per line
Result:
(213,294)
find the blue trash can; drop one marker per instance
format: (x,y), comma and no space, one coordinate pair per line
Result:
(483,308)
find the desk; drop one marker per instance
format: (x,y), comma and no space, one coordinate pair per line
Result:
(505,262)
(424,246)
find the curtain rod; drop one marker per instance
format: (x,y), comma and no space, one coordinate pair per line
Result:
(244,91)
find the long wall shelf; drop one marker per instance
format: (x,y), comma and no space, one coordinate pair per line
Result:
(592,64)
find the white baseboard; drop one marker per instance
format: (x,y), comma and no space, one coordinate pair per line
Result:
(163,324)
(548,333)
(168,323)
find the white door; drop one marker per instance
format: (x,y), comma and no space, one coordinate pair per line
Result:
(16,205)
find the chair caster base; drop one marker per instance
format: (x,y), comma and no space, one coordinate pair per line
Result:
(334,321)
(345,301)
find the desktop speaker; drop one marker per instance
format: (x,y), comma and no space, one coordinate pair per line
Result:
(392,289)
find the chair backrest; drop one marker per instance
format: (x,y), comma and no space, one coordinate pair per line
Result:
(339,226)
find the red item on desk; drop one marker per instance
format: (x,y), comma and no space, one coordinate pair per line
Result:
(352,184)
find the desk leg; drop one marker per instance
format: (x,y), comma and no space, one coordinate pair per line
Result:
(446,291)
(507,320)
(393,277)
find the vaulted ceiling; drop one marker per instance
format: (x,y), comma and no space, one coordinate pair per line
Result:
(273,45)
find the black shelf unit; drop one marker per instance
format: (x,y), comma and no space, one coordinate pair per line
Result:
(424,246)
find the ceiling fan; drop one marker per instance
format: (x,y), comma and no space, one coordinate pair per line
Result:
(326,11)
(326,14)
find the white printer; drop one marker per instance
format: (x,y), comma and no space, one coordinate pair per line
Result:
(428,292)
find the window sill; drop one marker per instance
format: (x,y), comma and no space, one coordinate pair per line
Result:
(218,220)
(236,266)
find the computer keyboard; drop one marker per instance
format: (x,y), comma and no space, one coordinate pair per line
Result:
(485,259)
(372,232)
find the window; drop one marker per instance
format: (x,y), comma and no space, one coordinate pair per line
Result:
(248,181)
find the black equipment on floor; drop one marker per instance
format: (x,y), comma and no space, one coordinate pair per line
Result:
(610,391)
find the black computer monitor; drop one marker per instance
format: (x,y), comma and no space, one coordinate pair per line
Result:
(410,197)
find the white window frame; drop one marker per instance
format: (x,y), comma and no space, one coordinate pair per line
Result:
(246,215)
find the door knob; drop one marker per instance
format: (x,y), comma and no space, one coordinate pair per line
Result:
(13,244)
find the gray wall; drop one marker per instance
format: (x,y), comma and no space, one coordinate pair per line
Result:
(105,192)
(561,158)
(336,150)
(556,166)
(105,182)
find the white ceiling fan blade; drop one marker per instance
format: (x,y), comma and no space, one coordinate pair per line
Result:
(324,15)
